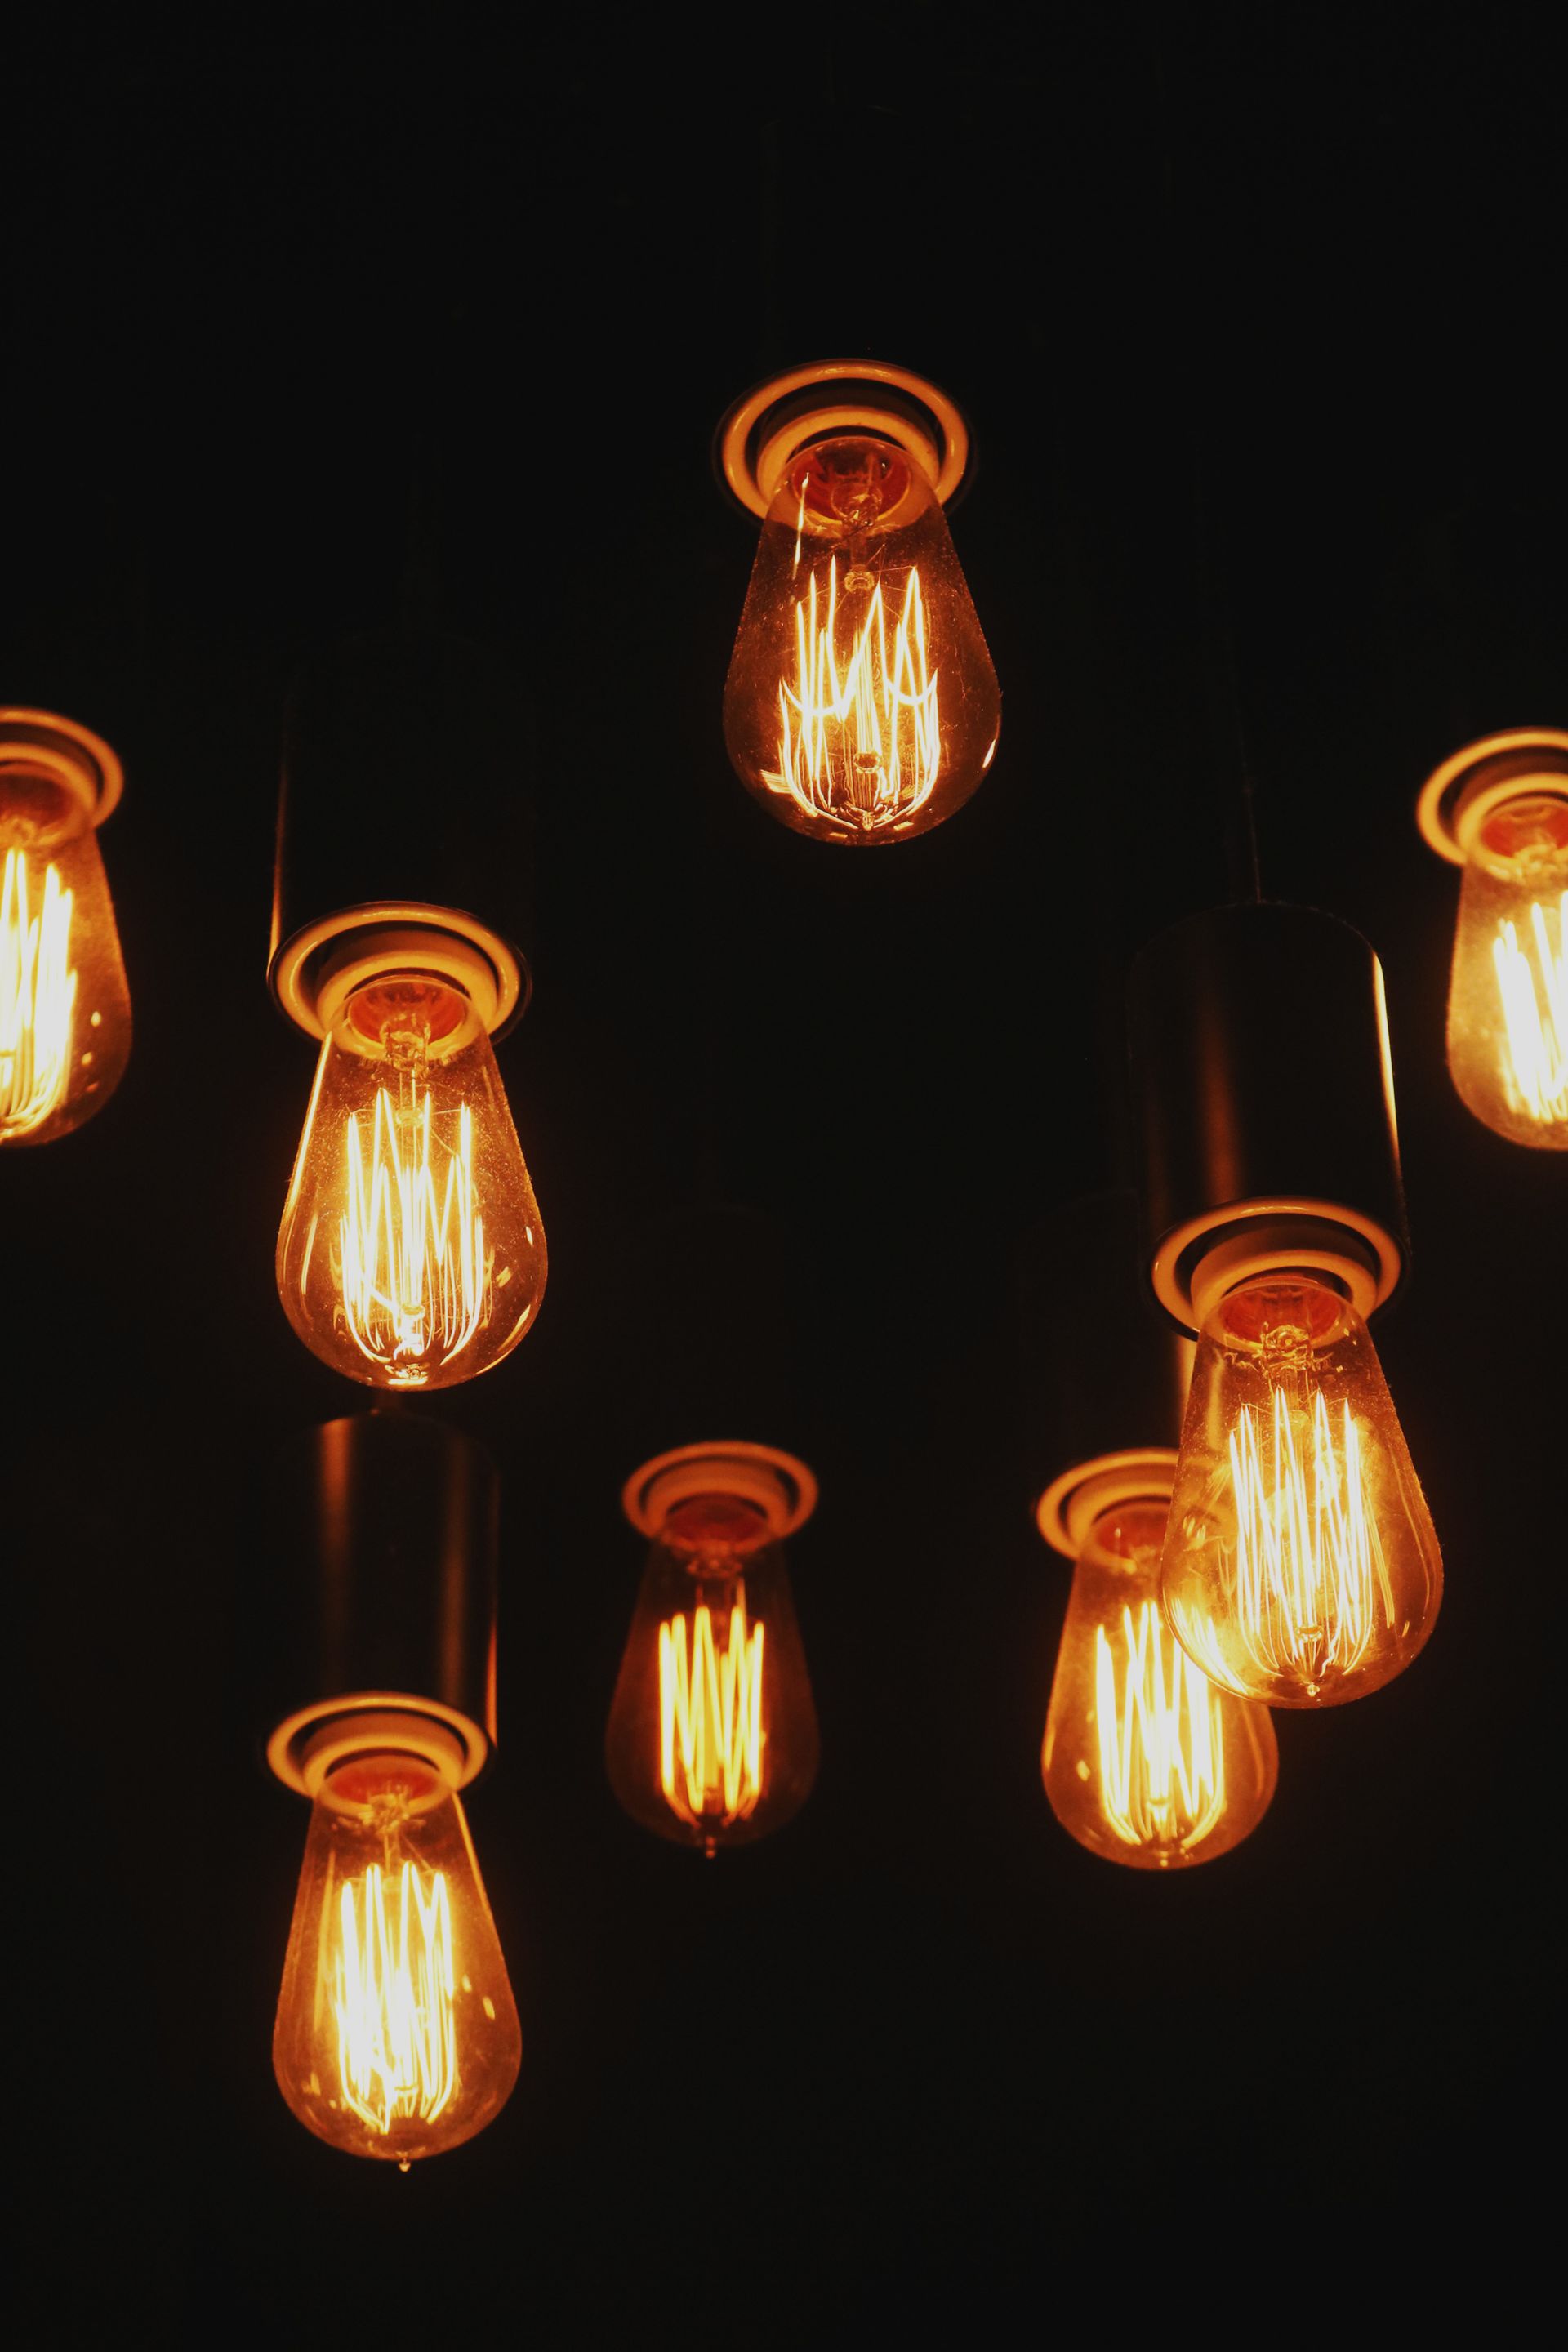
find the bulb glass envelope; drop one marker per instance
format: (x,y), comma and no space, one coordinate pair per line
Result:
(861,705)
(1145,1761)
(396,2035)
(1499,809)
(1300,1566)
(712,1739)
(411,1252)
(65,1009)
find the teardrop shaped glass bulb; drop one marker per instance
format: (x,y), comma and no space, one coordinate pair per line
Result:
(1300,1566)
(411,1254)
(65,1009)
(1507,999)
(1145,1760)
(397,2035)
(711,1740)
(861,705)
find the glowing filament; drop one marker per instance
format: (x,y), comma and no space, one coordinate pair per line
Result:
(414,1267)
(710,1715)
(1535,1011)
(1162,1758)
(37,997)
(861,743)
(392,1983)
(1309,1568)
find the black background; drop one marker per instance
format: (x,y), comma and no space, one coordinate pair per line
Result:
(1252,265)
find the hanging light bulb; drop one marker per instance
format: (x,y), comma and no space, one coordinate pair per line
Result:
(711,1738)
(1145,1760)
(411,1252)
(397,2034)
(65,1010)
(1300,1565)
(861,704)
(1500,809)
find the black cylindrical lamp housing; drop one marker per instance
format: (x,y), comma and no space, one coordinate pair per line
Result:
(404,755)
(380,1569)
(1263,1090)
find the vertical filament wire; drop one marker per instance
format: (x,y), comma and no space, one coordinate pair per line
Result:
(414,1268)
(1534,999)
(393,1985)
(1162,1756)
(861,743)
(1309,1568)
(712,1737)
(38,998)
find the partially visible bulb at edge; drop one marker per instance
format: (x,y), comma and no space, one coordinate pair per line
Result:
(1508,999)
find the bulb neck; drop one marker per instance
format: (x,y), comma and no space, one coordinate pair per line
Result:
(1315,1247)
(772,422)
(1067,1512)
(57,781)
(776,1491)
(315,973)
(1458,798)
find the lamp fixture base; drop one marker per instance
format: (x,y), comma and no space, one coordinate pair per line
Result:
(1458,798)
(779,1486)
(771,422)
(315,970)
(1072,1502)
(73,772)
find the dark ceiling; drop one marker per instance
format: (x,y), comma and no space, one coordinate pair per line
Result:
(1251,316)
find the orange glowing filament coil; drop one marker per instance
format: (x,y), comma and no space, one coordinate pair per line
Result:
(413,1269)
(1309,1567)
(861,745)
(38,998)
(1534,997)
(711,1738)
(392,1983)
(1162,1756)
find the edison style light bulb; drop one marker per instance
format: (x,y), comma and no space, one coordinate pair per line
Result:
(1145,1761)
(65,1010)
(1507,1003)
(397,2034)
(1300,1566)
(861,705)
(411,1254)
(713,1733)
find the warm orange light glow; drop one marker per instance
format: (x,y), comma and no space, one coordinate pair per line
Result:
(65,1013)
(397,2034)
(37,997)
(1144,1760)
(1507,1003)
(861,704)
(711,1714)
(861,745)
(392,1996)
(411,1254)
(1300,1566)
(713,1733)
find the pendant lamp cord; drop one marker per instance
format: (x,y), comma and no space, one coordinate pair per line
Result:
(1226,707)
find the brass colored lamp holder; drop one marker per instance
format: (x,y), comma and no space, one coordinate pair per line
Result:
(315,971)
(1458,798)
(76,777)
(770,424)
(1071,1505)
(775,1484)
